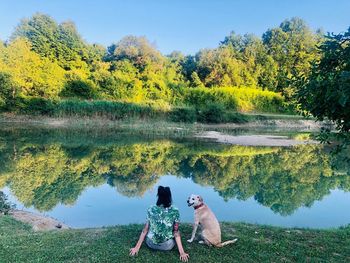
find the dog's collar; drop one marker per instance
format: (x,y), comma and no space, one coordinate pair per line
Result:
(198,206)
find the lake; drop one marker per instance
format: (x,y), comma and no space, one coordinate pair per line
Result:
(101,177)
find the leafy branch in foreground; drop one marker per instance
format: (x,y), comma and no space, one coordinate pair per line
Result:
(326,92)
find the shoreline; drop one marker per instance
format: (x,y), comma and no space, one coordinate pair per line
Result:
(271,121)
(44,223)
(37,221)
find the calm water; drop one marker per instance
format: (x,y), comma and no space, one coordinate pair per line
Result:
(89,178)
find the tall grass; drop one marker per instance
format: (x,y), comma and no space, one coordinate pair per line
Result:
(105,109)
(207,105)
(237,99)
(82,108)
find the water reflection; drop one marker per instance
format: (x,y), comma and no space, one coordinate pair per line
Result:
(43,168)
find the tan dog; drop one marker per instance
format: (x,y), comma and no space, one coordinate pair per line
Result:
(211,232)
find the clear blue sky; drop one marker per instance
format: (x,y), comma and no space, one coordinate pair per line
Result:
(184,25)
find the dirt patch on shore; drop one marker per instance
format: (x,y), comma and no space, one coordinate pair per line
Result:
(38,222)
(253,140)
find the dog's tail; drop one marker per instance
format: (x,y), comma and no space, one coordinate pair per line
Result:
(227,242)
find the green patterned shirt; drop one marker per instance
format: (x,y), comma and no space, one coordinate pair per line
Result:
(161,222)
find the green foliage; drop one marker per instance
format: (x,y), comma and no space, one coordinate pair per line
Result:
(107,109)
(212,113)
(79,89)
(57,42)
(139,72)
(7,90)
(135,49)
(183,114)
(5,205)
(326,93)
(220,67)
(45,59)
(195,80)
(293,46)
(35,105)
(239,99)
(31,74)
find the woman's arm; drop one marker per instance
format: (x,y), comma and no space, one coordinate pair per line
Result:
(183,256)
(135,250)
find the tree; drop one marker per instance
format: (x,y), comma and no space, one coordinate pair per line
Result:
(138,50)
(293,46)
(2,54)
(73,52)
(7,90)
(42,32)
(58,42)
(251,50)
(136,63)
(220,67)
(326,92)
(195,80)
(32,74)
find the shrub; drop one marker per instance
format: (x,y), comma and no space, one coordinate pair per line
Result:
(198,97)
(79,89)
(5,205)
(236,99)
(35,105)
(212,113)
(7,87)
(183,115)
(236,117)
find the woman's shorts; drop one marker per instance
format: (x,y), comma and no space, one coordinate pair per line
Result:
(167,245)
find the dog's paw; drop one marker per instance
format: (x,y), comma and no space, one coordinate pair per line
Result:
(189,240)
(201,242)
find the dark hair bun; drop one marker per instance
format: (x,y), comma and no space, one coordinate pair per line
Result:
(164,196)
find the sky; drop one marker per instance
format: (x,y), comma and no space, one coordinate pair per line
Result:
(182,25)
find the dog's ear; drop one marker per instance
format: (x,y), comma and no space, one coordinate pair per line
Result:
(200,198)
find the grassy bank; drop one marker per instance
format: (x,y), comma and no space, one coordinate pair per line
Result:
(256,244)
(215,105)
(114,110)
(212,113)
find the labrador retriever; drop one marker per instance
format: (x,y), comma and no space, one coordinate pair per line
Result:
(211,232)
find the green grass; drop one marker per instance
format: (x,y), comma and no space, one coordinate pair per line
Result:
(256,244)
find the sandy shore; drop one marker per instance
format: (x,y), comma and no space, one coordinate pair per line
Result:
(37,221)
(253,140)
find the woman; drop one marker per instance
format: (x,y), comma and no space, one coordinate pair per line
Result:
(162,226)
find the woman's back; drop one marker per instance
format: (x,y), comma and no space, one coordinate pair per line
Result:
(161,221)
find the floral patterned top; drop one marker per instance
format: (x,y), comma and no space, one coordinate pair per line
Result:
(161,223)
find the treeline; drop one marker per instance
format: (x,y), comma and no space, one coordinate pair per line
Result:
(46,61)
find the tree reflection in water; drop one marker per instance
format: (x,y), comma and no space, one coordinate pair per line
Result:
(46,167)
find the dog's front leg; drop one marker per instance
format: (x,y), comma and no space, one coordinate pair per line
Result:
(195,226)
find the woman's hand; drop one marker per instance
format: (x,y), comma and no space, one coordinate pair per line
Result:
(184,257)
(134,251)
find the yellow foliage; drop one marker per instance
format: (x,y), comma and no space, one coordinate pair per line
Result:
(34,75)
